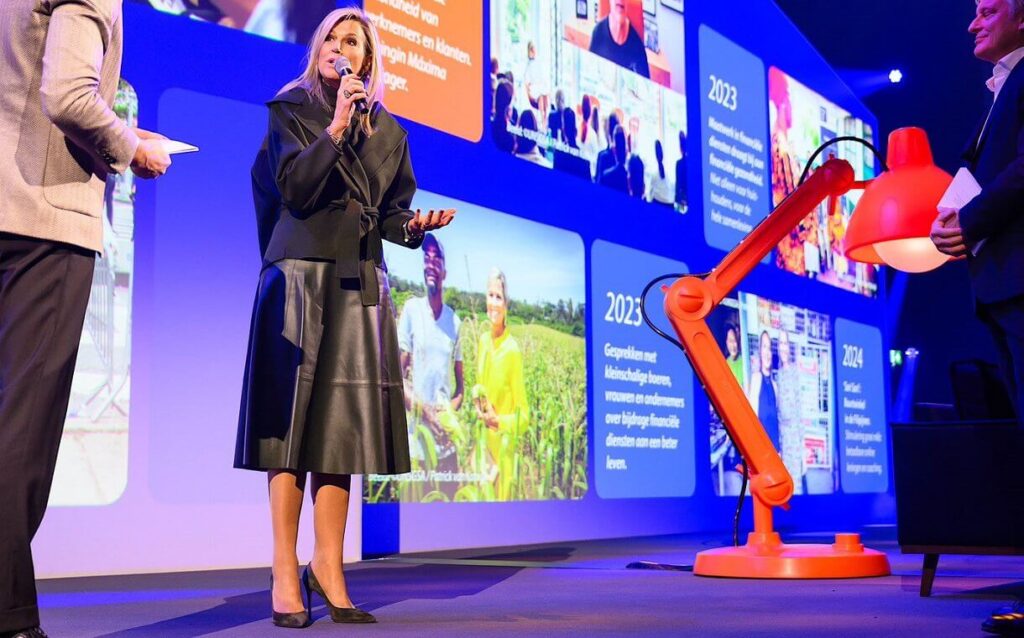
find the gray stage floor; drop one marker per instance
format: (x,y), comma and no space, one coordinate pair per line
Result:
(560,589)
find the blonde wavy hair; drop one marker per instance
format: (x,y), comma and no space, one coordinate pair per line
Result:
(372,72)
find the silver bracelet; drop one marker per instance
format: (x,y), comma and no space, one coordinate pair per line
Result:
(408,235)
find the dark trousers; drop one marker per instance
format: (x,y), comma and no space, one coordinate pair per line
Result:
(44,291)
(1006,322)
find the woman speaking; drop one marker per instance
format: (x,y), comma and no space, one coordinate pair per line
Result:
(323,388)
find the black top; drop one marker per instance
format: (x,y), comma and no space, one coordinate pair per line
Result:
(681,181)
(616,177)
(319,200)
(997,213)
(605,161)
(570,163)
(631,54)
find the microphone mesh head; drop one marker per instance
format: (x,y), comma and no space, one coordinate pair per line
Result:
(342,65)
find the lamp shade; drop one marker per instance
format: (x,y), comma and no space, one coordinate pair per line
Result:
(892,221)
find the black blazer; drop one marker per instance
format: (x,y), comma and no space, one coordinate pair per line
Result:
(997,213)
(319,200)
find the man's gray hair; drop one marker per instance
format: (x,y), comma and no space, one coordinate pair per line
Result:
(1017,6)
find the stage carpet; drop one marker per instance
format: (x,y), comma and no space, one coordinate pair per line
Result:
(558,589)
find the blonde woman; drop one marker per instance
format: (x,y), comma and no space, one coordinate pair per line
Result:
(323,387)
(500,393)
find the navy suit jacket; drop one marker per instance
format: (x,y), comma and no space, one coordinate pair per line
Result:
(997,213)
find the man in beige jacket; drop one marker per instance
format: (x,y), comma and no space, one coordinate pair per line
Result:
(60,62)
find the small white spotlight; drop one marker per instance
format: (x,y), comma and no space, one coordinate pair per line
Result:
(895,76)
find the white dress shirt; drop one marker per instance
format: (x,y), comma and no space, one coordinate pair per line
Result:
(1002,70)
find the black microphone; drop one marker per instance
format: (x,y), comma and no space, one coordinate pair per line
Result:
(344,67)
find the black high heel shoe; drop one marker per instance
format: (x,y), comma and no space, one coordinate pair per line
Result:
(297,620)
(338,614)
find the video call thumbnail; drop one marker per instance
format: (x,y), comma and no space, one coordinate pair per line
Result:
(588,88)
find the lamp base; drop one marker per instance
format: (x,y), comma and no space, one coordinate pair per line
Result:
(766,556)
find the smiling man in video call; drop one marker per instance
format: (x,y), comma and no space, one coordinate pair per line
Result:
(989,230)
(59,69)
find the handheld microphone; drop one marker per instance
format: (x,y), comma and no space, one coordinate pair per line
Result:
(344,67)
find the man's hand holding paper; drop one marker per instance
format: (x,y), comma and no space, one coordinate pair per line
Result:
(946,233)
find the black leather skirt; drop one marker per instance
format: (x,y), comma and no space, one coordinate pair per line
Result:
(323,385)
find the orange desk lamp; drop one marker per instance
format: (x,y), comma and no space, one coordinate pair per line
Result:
(891,222)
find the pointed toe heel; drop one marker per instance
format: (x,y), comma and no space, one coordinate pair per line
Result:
(296,620)
(338,614)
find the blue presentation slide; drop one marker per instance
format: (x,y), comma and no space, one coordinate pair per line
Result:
(643,386)
(734,132)
(863,441)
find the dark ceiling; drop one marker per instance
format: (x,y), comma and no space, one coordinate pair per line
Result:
(943,90)
(944,93)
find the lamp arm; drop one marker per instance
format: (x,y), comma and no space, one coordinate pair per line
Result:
(770,481)
(691,299)
(835,177)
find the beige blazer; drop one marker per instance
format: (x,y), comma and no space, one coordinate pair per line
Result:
(60,62)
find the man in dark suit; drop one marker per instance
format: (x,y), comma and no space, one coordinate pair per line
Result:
(60,139)
(570,161)
(606,158)
(680,195)
(989,230)
(617,177)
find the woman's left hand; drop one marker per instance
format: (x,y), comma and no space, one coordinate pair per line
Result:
(432,220)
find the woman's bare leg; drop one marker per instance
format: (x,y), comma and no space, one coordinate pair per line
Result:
(330,513)
(286,488)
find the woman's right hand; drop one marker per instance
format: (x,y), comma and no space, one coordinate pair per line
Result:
(486,412)
(351,91)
